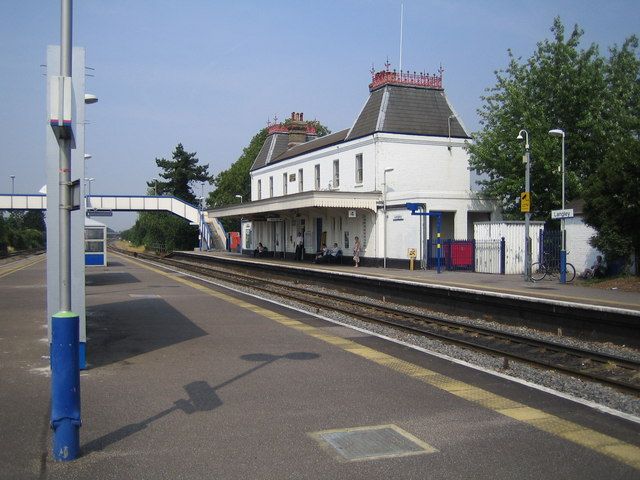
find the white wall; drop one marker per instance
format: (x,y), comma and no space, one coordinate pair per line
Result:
(421,164)
(579,252)
(425,170)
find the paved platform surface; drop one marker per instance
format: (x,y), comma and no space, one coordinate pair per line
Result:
(549,288)
(190,381)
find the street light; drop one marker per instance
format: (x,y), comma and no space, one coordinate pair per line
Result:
(556,132)
(155,186)
(13,179)
(384,210)
(451,117)
(527,216)
(240,197)
(88,199)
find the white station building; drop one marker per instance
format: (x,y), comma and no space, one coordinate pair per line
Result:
(407,145)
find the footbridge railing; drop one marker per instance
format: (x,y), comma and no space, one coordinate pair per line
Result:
(129,203)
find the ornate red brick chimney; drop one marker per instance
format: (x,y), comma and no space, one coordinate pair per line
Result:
(297,129)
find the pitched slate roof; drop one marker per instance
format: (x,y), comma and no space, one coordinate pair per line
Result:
(407,109)
(412,104)
(274,145)
(267,156)
(316,144)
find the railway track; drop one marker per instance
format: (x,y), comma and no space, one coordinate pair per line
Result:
(612,370)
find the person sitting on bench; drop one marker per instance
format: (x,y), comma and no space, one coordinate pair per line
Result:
(335,254)
(260,251)
(323,251)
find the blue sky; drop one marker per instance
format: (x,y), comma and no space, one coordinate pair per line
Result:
(209,74)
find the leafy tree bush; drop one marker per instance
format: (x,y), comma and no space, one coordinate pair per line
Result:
(165,230)
(595,101)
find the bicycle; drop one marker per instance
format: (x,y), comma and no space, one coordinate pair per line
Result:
(539,270)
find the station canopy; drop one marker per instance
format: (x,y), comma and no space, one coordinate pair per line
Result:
(295,203)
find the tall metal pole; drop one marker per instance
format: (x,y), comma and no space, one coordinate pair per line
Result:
(527,219)
(201,227)
(13,178)
(64,177)
(563,250)
(527,215)
(563,247)
(65,357)
(401,25)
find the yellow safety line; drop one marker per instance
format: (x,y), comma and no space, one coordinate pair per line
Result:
(621,451)
(21,267)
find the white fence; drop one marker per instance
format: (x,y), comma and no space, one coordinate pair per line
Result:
(488,260)
(487,256)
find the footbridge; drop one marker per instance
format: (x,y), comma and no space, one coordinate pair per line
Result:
(212,232)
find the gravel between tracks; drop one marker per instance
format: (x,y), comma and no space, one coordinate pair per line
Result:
(577,387)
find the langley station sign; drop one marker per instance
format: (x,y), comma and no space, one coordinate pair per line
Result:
(559,214)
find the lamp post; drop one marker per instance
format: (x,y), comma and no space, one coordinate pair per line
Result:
(13,179)
(556,132)
(384,210)
(240,197)
(451,117)
(527,216)
(88,199)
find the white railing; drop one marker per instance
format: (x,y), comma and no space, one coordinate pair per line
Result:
(124,203)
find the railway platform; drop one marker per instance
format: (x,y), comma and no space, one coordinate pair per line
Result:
(482,283)
(190,380)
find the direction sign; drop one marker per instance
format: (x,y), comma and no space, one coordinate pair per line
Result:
(566,213)
(525,202)
(99,213)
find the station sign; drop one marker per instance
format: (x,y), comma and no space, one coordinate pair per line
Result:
(566,213)
(76,198)
(525,202)
(99,213)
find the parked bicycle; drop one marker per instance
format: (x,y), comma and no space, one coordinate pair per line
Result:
(551,267)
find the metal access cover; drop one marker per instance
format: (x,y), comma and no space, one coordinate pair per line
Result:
(370,443)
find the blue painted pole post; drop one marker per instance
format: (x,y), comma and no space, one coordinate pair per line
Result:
(439,245)
(563,264)
(503,256)
(65,386)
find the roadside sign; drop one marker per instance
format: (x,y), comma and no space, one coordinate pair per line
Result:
(525,202)
(411,253)
(99,213)
(566,213)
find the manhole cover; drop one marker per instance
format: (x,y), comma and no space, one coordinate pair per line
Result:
(369,443)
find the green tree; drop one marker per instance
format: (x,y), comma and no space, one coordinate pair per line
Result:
(612,194)
(163,230)
(595,101)
(179,174)
(559,86)
(22,230)
(236,180)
